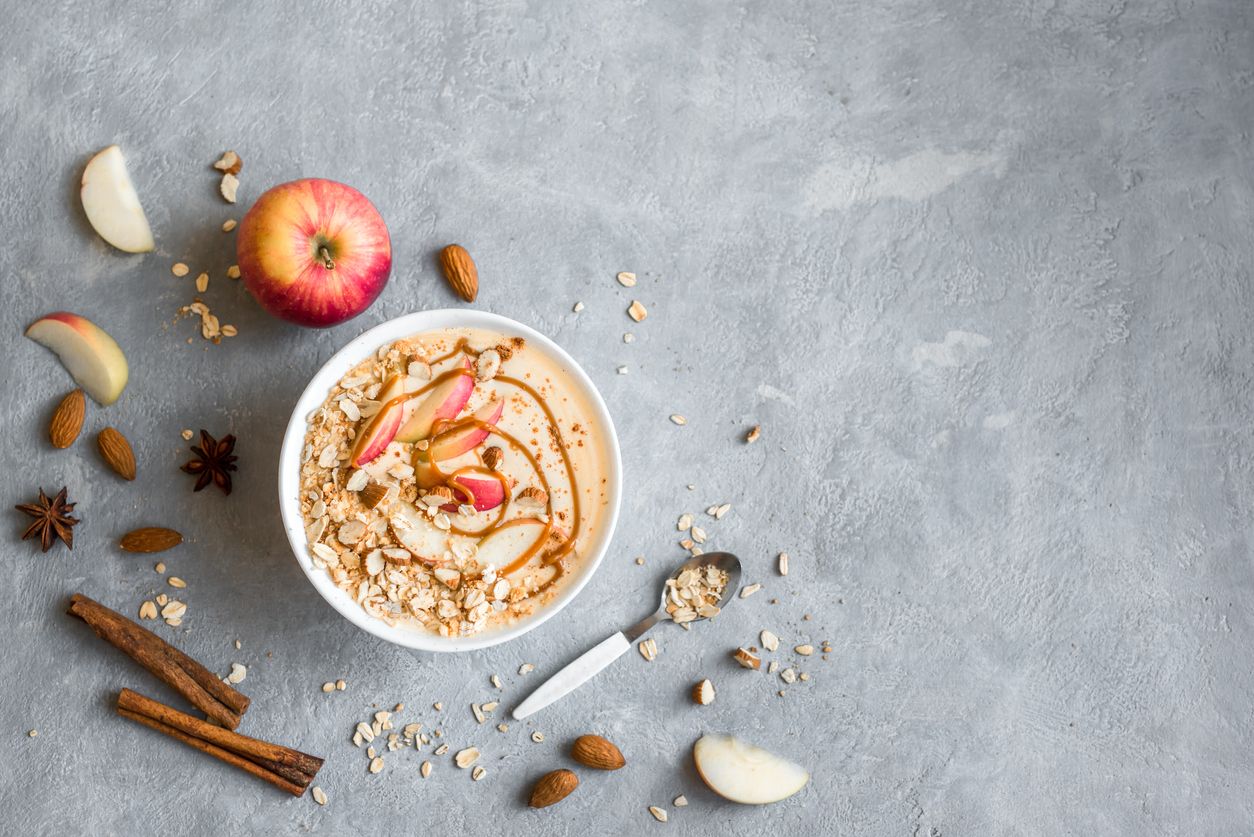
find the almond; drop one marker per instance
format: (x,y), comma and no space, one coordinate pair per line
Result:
(372,494)
(492,457)
(747,658)
(460,271)
(150,539)
(595,751)
(703,693)
(553,788)
(117,452)
(67,421)
(532,496)
(229,163)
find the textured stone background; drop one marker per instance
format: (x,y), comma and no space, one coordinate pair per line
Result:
(981,270)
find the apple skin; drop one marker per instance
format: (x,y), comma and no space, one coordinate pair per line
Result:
(489,493)
(279,252)
(382,428)
(88,353)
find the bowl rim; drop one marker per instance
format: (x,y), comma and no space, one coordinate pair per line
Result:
(313,396)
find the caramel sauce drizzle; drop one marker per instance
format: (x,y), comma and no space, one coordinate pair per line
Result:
(555,557)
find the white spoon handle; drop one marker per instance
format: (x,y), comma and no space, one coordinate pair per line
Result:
(574,675)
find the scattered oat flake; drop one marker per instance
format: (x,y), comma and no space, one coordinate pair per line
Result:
(804,650)
(229,224)
(628,337)
(232,272)
(328,687)
(438,706)
(783,563)
(637,311)
(502,727)
(626,279)
(526,668)
(685,522)
(622,370)
(537,736)
(578,307)
(676,418)
(340,685)
(228,187)
(175,581)
(187,434)
(425,770)
(33,733)
(478,773)
(495,680)
(640,561)
(721,511)
(160,567)
(658,813)
(749,589)
(319,795)
(238,673)
(680,801)
(769,641)
(180,269)
(442,749)
(466,757)
(147,610)
(788,676)
(376,764)
(648,649)
(202,283)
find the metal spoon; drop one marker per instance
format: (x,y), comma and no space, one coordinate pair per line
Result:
(601,655)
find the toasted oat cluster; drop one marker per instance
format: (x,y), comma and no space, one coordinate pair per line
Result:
(363,523)
(696,593)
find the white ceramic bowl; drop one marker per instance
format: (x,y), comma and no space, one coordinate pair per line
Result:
(313,397)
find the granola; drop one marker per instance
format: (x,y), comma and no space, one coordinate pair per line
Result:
(467,521)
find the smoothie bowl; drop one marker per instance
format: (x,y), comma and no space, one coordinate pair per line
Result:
(449,480)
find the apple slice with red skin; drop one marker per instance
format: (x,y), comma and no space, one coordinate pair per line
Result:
(455,442)
(488,492)
(382,428)
(443,402)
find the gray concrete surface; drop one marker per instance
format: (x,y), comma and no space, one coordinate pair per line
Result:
(980,270)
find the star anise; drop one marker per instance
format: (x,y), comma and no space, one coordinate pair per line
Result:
(52,520)
(213,461)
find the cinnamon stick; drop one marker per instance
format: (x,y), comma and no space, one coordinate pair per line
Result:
(254,749)
(217,752)
(202,688)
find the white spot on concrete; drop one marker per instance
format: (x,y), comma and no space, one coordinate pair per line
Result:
(775,394)
(999,421)
(841,184)
(958,348)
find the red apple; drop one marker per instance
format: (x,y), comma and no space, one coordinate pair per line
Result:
(488,491)
(444,401)
(314,252)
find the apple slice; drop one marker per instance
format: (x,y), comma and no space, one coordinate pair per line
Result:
(455,442)
(488,492)
(744,773)
(111,204)
(444,401)
(91,356)
(383,426)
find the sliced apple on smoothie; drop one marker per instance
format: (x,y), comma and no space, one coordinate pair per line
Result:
(88,353)
(383,426)
(461,439)
(488,493)
(443,402)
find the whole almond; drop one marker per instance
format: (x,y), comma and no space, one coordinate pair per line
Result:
(553,788)
(117,452)
(67,421)
(460,271)
(595,751)
(150,539)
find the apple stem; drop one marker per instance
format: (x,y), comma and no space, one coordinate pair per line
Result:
(327,261)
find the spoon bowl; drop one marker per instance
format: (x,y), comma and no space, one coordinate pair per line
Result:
(724,561)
